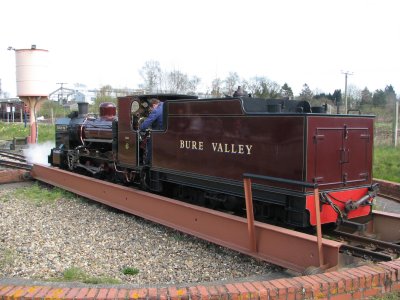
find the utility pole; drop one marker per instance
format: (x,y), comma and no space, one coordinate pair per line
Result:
(345,89)
(396,121)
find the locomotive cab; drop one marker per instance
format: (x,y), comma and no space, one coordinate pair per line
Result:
(133,145)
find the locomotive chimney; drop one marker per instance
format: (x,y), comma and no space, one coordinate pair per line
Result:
(83,108)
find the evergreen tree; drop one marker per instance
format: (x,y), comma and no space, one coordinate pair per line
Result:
(306,93)
(286,91)
(390,95)
(337,97)
(366,96)
(379,98)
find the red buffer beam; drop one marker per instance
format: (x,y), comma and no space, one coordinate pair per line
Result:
(283,247)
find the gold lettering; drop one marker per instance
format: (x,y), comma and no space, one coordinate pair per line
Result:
(249,149)
(233,148)
(226,149)
(241,149)
(217,147)
(191,145)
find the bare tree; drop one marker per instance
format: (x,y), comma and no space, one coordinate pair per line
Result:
(178,82)
(354,95)
(231,83)
(151,74)
(264,88)
(192,86)
(216,87)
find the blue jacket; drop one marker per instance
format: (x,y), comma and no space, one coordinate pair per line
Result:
(155,119)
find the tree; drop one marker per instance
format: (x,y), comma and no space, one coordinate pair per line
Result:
(52,109)
(286,91)
(262,87)
(103,95)
(306,93)
(337,97)
(231,83)
(379,98)
(176,82)
(390,95)
(180,83)
(366,96)
(151,74)
(192,86)
(216,87)
(354,96)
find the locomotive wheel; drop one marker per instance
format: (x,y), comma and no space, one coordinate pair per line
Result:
(145,179)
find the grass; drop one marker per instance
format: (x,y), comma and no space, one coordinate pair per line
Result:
(8,131)
(390,296)
(387,163)
(6,257)
(5,196)
(76,274)
(130,271)
(41,194)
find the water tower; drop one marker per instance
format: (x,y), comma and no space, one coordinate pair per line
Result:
(32,82)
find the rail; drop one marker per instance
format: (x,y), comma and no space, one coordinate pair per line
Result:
(250,213)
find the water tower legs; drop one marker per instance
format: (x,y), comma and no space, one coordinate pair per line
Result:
(32,138)
(33,104)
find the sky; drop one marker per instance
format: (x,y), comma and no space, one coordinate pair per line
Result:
(107,42)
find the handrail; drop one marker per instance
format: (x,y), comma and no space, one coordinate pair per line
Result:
(281,180)
(250,213)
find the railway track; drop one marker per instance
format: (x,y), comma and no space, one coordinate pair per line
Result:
(390,197)
(369,248)
(388,190)
(14,160)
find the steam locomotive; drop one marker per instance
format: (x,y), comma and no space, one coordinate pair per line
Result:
(206,145)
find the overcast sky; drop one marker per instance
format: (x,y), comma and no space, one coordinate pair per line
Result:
(107,42)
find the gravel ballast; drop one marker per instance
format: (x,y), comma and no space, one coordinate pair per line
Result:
(41,241)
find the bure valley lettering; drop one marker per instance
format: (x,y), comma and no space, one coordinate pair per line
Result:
(217,147)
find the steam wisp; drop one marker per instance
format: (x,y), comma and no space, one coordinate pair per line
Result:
(37,153)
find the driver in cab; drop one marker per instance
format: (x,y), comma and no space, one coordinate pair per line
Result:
(155,119)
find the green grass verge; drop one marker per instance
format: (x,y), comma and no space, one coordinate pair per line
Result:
(387,163)
(41,194)
(8,131)
(76,274)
